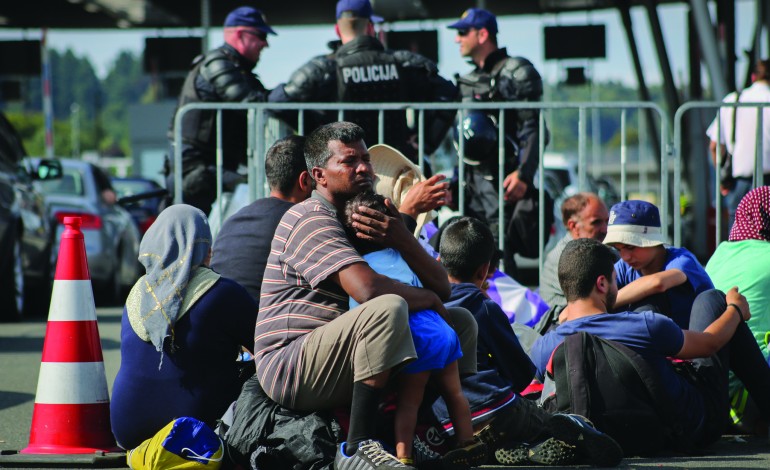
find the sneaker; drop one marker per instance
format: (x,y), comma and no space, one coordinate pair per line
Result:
(521,421)
(552,452)
(598,448)
(425,458)
(470,455)
(370,454)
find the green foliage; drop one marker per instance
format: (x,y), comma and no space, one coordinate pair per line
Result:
(102,104)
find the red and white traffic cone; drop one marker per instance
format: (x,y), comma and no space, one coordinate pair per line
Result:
(72,404)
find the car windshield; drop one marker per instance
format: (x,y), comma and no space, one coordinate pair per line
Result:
(129,188)
(71,184)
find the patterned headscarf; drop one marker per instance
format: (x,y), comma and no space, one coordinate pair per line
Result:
(172,250)
(752,218)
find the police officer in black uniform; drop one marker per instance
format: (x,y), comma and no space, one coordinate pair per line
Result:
(223,74)
(500,77)
(361,70)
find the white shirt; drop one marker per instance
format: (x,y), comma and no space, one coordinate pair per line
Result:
(744,147)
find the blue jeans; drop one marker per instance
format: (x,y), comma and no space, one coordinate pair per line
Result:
(733,198)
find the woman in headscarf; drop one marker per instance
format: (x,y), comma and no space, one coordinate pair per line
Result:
(744,261)
(183,326)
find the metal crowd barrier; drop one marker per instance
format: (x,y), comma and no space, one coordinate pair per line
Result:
(258,118)
(678,129)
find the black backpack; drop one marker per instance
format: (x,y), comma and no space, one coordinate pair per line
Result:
(616,389)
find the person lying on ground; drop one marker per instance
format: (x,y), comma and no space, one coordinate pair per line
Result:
(182,328)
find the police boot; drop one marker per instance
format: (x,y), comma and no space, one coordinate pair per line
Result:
(521,421)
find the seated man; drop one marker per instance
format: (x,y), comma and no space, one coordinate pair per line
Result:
(584,216)
(520,432)
(717,339)
(651,276)
(243,244)
(311,352)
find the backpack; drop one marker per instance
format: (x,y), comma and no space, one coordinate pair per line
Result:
(616,389)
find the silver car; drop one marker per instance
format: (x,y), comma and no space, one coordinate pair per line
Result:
(111,237)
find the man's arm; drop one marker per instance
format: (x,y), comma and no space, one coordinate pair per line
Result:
(650,284)
(389,231)
(363,284)
(229,81)
(704,344)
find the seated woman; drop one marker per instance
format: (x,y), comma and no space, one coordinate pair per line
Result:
(651,276)
(743,261)
(182,329)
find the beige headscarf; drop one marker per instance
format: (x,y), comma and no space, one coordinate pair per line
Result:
(172,251)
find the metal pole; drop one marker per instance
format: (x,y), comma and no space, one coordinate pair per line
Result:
(582,176)
(623,155)
(220,161)
(500,188)
(75,128)
(717,189)
(541,194)
(420,140)
(758,167)
(205,24)
(708,47)
(251,124)
(461,164)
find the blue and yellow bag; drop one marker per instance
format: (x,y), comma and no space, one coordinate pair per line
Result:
(184,443)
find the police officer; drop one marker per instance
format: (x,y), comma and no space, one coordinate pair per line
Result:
(361,70)
(500,77)
(223,74)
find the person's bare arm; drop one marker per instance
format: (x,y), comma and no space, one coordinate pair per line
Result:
(649,285)
(425,196)
(389,231)
(363,284)
(713,151)
(709,342)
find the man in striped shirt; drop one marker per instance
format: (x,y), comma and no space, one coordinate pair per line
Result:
(311,352)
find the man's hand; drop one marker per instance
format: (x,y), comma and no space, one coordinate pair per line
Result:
(514,187)
(425,196)
(387,230)
(734,297)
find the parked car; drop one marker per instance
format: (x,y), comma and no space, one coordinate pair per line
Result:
(141,197)
(111,237)
(26,235)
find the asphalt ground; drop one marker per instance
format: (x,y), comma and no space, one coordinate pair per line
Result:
(21,346)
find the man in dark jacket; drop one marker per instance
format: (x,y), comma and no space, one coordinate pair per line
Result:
(498,77)
(361,70)
(221,75)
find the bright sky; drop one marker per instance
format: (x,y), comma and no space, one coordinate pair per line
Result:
(522,35)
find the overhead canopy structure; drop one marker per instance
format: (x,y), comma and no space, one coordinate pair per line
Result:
(100,14)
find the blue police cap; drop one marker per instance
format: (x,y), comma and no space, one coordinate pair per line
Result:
(476,18)
(635,223)
(248,16)
(357,9)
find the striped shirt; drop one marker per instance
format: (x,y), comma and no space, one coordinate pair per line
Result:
(309,246)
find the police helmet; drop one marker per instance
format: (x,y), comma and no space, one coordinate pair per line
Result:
(480,134)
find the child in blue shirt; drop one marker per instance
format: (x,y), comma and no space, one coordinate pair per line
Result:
(435,342)
(652,276)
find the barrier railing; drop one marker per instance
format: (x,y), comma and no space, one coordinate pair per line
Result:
(678,149)
(258,136)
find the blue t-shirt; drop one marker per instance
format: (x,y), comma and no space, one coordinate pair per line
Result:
(681,297)
(654,336)
(435,342)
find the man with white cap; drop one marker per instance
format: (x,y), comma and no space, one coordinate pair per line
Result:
(221,75)
(650,274)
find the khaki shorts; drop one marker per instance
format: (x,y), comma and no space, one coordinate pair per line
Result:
(372,338)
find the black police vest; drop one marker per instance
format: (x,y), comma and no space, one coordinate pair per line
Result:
(373,77)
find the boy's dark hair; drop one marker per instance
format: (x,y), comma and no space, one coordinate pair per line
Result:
(284,162)
(582,262)
(466,244)
(317,145)
(367,199)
